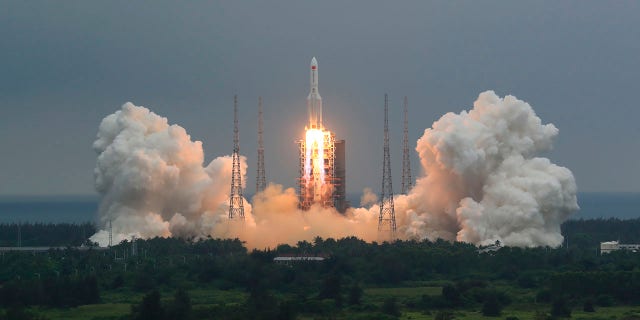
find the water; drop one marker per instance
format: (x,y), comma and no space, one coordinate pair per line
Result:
(77,209)
(49,209)
(608,205)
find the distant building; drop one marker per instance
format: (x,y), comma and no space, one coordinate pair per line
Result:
(289,259)
(606,247)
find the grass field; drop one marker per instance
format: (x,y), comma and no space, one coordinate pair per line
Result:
(87,312)
(111,310)
(403,292)
(118,303)
(610,313)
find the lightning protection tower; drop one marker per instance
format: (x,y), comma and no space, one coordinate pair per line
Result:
(407,182)
(110,233)
(236,205)
(387,218)
(134,246)
(261,181)
(19,234)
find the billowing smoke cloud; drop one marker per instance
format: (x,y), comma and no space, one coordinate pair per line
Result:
(152,180)
(482,183)
(278,220)
(368,197)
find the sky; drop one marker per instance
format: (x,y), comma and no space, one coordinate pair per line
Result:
(65,65)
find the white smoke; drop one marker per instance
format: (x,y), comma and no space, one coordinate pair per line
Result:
(368,197)
(483,182)
(152,180)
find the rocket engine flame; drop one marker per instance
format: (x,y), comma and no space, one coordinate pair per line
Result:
(314,140)
(316,185)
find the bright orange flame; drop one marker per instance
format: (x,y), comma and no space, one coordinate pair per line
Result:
(314,154)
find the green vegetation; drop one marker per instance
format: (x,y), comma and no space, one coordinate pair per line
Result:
(221,279)
(45,234)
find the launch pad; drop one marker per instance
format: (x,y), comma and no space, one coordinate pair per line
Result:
(322,158)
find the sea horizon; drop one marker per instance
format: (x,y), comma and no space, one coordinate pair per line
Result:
(84,207)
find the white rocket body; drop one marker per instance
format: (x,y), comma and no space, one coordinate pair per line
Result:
(314,101)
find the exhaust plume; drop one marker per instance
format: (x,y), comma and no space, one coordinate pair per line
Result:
(153,183)
(481,182)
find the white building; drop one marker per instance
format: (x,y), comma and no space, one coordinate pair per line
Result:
(290,259)
(606,247)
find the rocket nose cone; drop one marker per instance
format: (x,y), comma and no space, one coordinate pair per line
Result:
(314,62)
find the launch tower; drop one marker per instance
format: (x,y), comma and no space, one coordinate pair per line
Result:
(407,182)
(387,218)
(322,157)
(261,181)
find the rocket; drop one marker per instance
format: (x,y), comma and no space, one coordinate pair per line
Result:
(314,101)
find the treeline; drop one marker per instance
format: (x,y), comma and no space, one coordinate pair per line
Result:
(45,234)
(52,292)
(589,233)
(556,280)
(152,308)
(579,233)
(560,277)
(621,286)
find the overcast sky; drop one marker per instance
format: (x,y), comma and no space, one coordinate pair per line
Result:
(64,65)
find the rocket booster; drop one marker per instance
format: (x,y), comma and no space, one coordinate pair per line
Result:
(314,101)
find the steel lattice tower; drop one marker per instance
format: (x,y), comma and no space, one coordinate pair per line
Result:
(261,181)
(236,205)
(19,234)
(407,182)
(387,219)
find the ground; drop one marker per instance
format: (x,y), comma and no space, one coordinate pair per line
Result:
(118,303)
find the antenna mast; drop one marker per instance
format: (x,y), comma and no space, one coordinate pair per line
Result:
(261,181)
(19,234)
(236,205)
(407,182)
(387,218)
